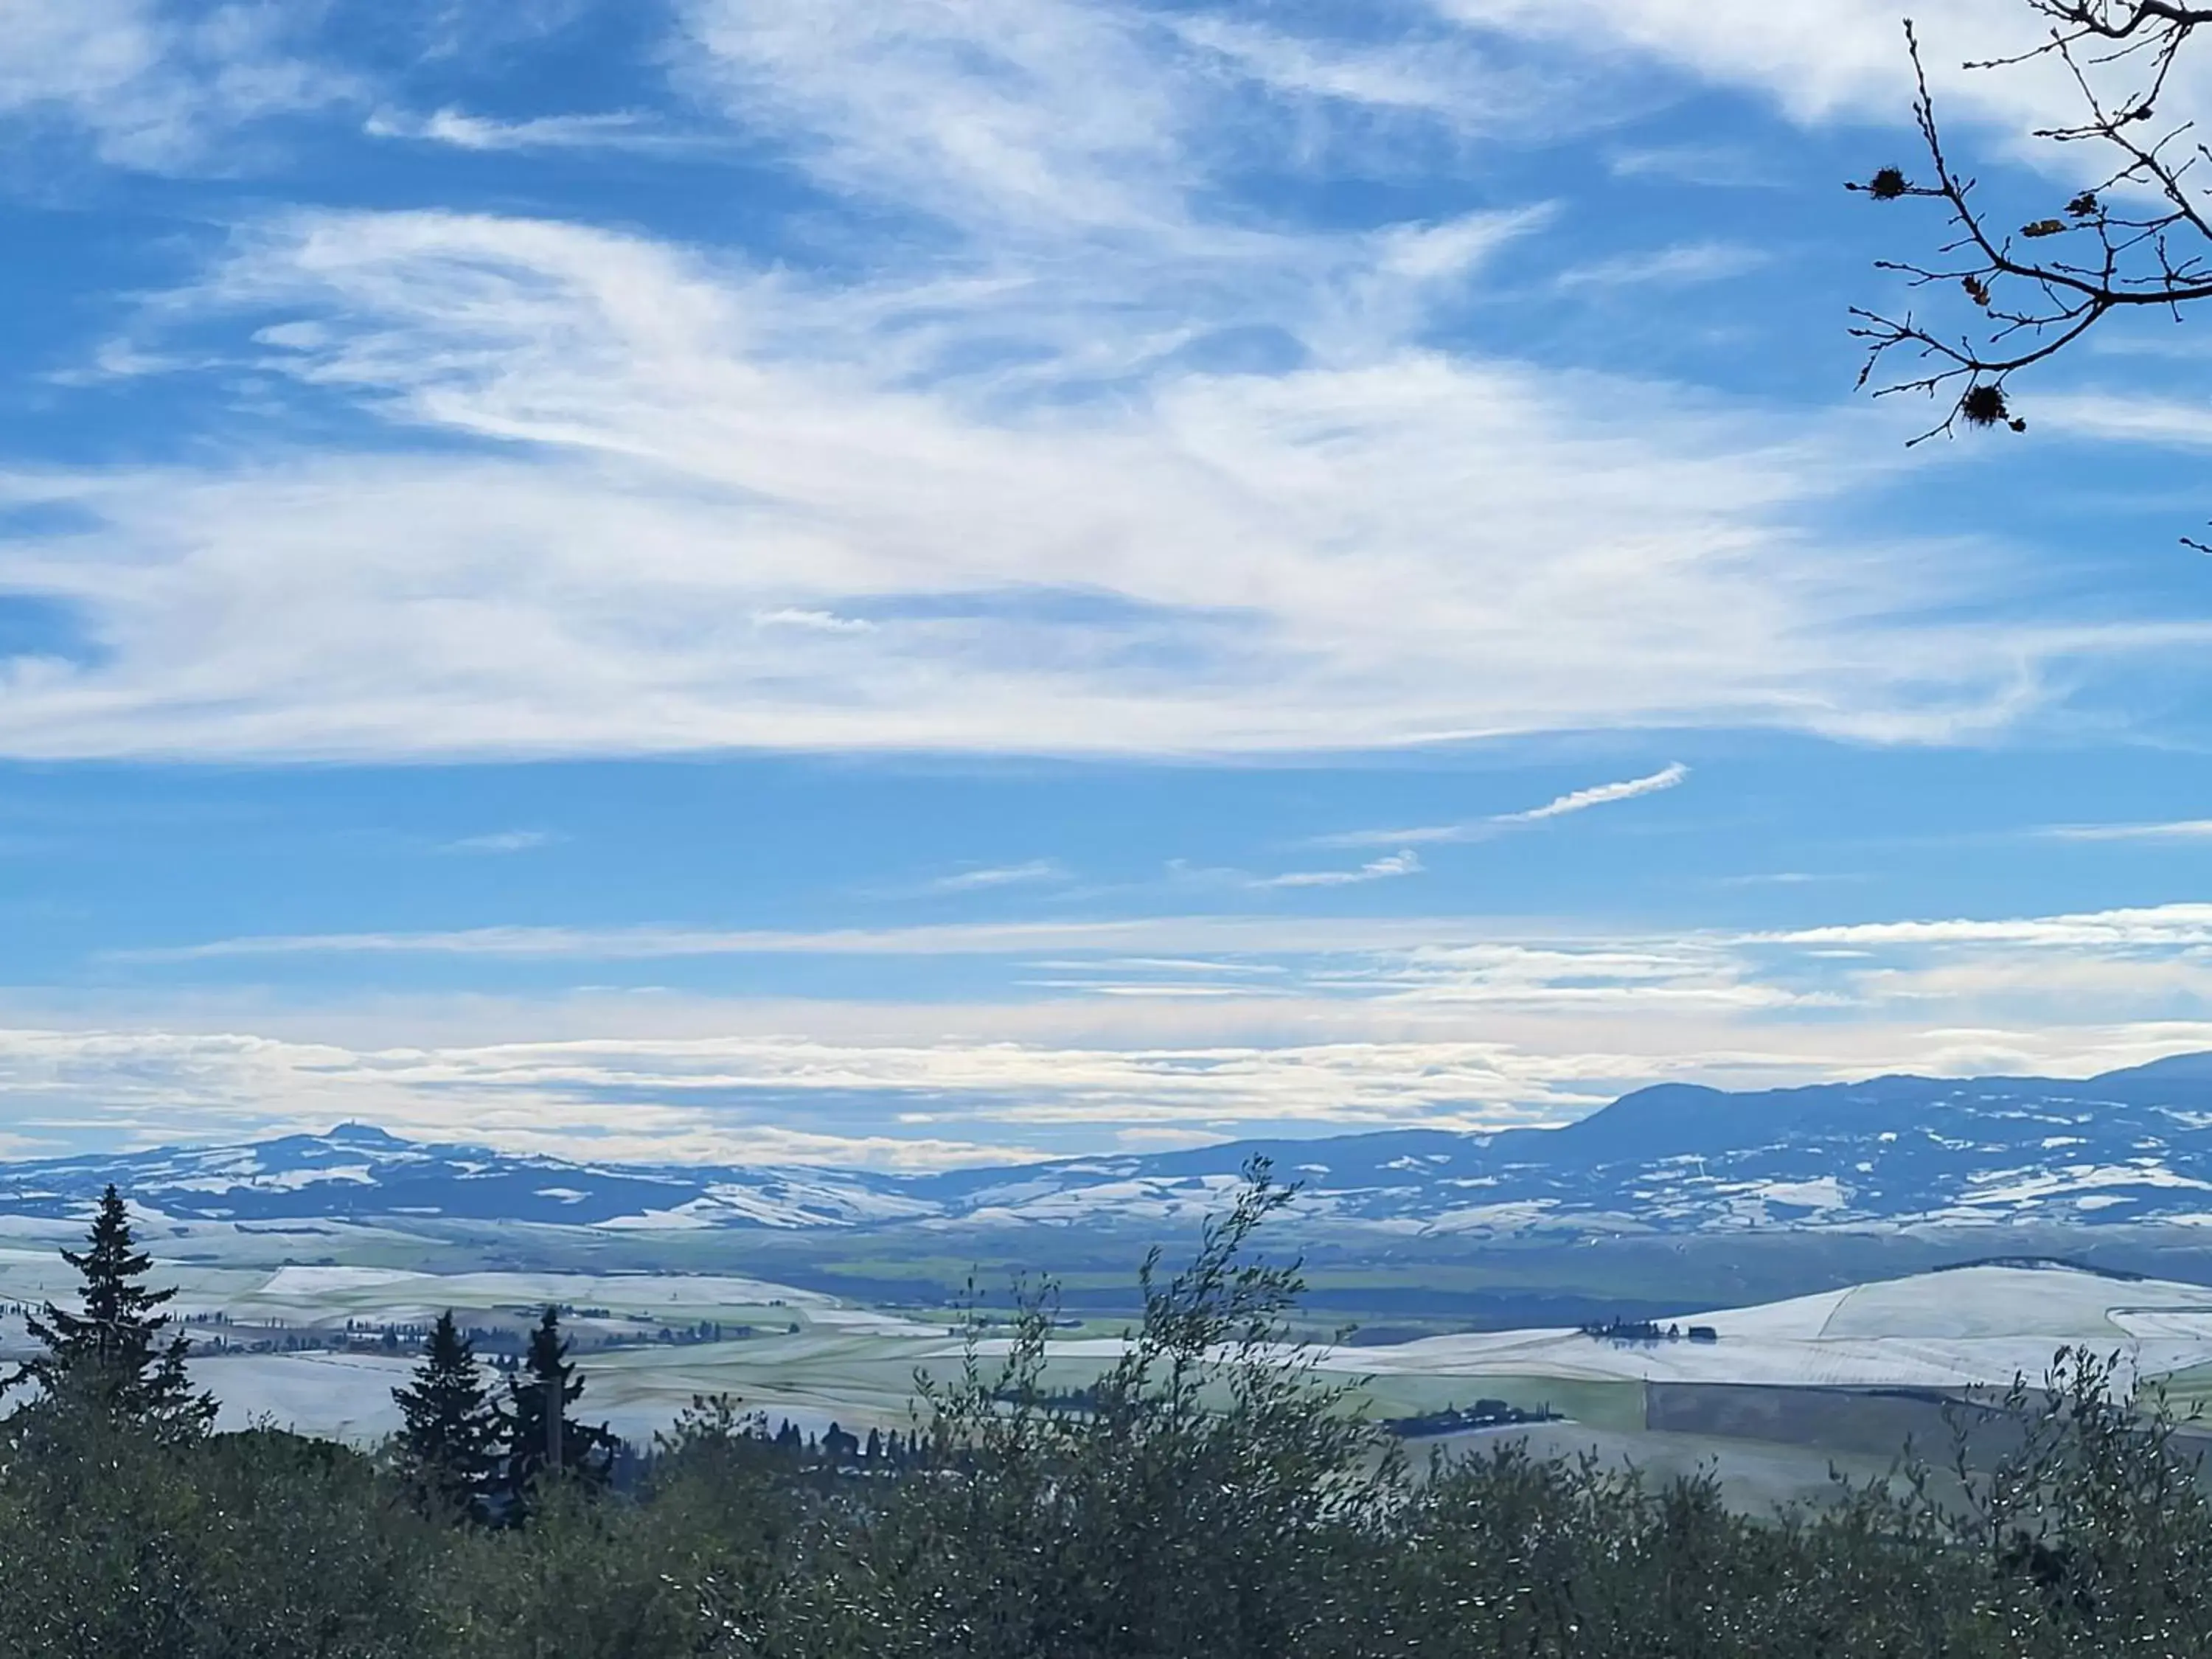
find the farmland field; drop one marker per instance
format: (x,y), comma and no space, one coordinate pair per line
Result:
(311,1328)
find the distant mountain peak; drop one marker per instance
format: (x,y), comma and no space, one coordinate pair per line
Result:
(364,1135)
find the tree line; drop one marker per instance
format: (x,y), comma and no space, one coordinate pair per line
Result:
(1209,1495)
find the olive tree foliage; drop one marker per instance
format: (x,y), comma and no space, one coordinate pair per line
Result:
(2001,294)
(2072,1521)
(117,1538)
(2097,1518)
(1192,1499)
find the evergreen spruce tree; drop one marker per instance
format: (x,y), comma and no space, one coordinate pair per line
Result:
(587,1453)
(450,1440)
(110,1357)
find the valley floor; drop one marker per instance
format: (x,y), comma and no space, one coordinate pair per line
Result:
(1778,1391)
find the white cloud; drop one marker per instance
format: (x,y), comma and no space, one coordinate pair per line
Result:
(154,86)
(664,1097)
(1423,73)
(1165,964)
(820,622)
(1416,834)
(1092,464)
(145,1087)
(1818,59)
(1382,869)
(1682,264)
(1363,1039)
(991,107)
(1580,800)
(1179,1022)
(1034,116)
(1721,165)
(694,448)
(2176,829)
(617,129)
(2168,422)
(946,939)
(2155,926)
(1784,878)
(1603,795)
(1004,875)
(504,841)
(1831,62)
(1427,939)
(1843,987)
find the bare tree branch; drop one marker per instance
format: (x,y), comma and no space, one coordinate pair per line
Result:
(2119,19)
(2142,237)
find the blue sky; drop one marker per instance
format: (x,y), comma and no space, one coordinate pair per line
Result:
(916,581)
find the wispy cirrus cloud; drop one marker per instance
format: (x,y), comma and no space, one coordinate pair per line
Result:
(162,87)
(1579,800)
(1861,963)
(1066,464)
(1817,59)
(179,87)
(2172,829)
(505,840)
(1786,878)
(1683,262)
(1028,873)
(1419,71)
(613,130)
(2164,422)
(1387,868)
(1118,935)
(1724,166)
(159,87)
(978,111)
(1039,572)
(1604,794)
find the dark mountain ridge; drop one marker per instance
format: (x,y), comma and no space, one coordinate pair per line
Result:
(2132,1146)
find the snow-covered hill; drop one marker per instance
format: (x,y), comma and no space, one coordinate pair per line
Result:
(2129,1147)
(1982,1323)
(357,1172)
(1976,1325)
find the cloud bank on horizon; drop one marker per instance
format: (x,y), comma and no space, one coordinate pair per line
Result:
(518,526)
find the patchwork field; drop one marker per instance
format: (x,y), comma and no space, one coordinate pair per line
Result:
(1970,1326)
(306,1347)
(814,1378)
(1781,1391)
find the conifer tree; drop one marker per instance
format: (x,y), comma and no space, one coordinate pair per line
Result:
(110,1357)
(450,1440)
(587,1453)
